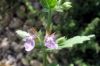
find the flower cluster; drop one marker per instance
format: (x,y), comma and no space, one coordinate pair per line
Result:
(49,42)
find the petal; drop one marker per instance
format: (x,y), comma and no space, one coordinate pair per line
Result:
(51,44)
(32,43)
(29,45)
(29,37)
(55,46)
(46,35)
(53,36)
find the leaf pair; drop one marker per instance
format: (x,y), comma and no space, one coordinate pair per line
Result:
(55,5)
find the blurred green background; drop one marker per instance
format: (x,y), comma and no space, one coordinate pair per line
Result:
(82,19)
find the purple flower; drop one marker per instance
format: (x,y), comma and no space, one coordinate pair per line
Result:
(30,43)
(50,42)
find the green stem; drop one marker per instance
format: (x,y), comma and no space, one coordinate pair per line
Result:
(49,19)
(44,58)
(48,28)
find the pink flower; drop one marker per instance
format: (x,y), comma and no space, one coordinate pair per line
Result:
(30,43)
(50,42)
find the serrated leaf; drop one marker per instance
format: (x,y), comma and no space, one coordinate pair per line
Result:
(22,34)
(75,40)
(49,3)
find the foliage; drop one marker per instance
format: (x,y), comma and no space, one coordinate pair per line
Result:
(82,19)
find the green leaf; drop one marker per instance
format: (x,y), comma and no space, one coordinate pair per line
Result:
(66,5)
(48,3)
(22,34)
(62,1)
(75,40)
(60,40)
(58,9)
(54,63)
(40,37)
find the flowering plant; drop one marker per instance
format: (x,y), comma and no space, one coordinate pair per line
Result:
(50,42)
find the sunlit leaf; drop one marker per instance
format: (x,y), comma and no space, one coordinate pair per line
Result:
(22,34)
(75,40)
(66,5)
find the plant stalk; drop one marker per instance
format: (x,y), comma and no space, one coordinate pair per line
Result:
(49,20)
(44,58)
(48,29)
